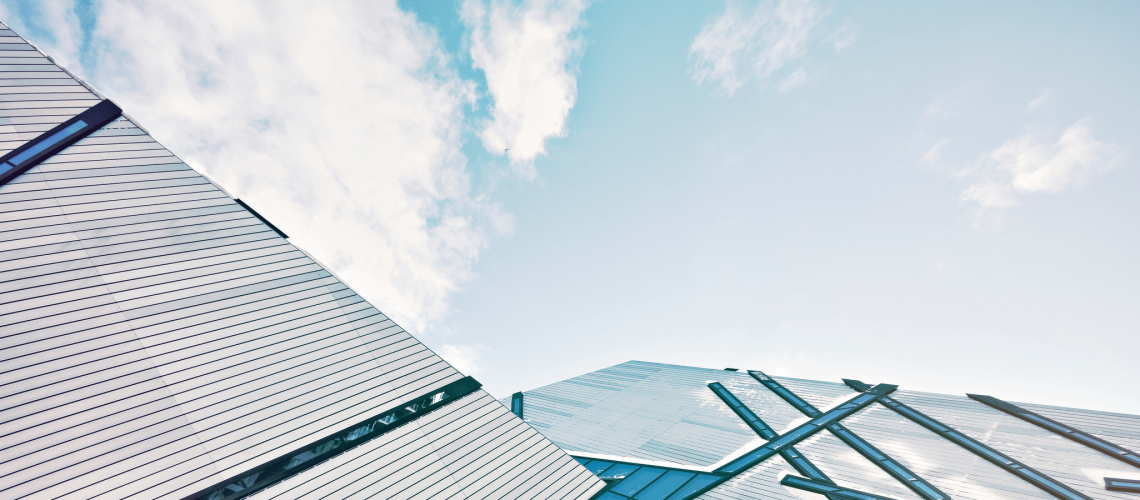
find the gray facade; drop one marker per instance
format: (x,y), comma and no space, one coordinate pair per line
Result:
(667,417)
(158,340)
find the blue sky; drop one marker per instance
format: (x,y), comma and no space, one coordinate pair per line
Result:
(937,196)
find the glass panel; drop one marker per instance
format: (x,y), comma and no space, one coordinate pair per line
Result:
(661,488)
(930,493)
(638,480)
(597,466)
(804,484)
(1125,484)
(856,494)
(915,416)
(694,485)
(4,167)
(1044,422)
(582,461)
(862,445)
(46,143)
(621,470)
(610,496)
(899,470)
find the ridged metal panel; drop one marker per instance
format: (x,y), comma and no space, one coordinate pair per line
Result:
(35,94)
(473,448)
(1118,428)
(156,337)
(952,469)
(1060,458)
(585,414)
(602,413)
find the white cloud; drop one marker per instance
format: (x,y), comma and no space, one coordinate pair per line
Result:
(339,120)
(465,358)
(798,78)
(1038,102)
(739,46)
(527,53)
(844,37)
(935,153)
(1030,164)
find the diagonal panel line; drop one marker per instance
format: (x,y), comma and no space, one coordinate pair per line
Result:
(1115,451)
(808,429)
(797,459)
(1009,464)
(875,455)
(828,489)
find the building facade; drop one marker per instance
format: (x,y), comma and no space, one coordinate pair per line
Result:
(160,339)
(656,431)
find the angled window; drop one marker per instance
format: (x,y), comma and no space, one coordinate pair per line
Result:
(828,489)
(298,460)
(876,456)
(807,429)
(789,454)
(1098,444)
(1125,485)
(1006,462)
(57,139)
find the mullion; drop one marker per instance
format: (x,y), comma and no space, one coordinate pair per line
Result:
(1006,462)
(875,455)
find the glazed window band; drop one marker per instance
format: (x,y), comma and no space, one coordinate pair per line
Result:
(303,458)
(57,139)
(889,465)
(1011,465)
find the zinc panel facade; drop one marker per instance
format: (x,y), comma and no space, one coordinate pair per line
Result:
(649,413)
(157,338)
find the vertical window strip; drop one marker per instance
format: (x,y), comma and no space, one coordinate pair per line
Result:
(517,404)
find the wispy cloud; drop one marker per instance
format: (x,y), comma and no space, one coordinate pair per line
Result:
(844,37)
(1033,164)
(527,53)
(753,43)
(341,121)
(468,359)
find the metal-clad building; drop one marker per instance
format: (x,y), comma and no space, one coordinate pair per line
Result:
(656,431)
(159,339)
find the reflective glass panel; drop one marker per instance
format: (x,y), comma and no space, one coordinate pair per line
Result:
(668,483)
(620,470)
(46,143)
(638,480)
(694,485)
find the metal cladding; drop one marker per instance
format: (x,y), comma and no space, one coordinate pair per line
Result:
(671,418)
(160,340)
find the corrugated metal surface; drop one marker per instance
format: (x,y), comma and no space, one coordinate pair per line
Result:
(35,94)
(156,338)
(611,412)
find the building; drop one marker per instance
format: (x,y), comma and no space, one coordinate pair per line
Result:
(160,339)
(656,431)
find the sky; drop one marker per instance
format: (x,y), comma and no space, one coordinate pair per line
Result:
(939,196)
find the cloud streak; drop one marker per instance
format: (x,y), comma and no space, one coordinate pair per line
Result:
(1033,164)
(741,45)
